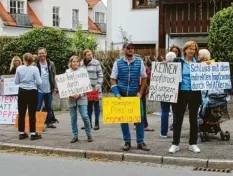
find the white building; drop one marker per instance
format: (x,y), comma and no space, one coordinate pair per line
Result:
(19,16)
(97,19)
(137,20)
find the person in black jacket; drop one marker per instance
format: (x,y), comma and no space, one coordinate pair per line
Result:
(187,97)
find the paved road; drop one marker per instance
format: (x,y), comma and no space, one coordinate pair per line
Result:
(22,165)
(109,138)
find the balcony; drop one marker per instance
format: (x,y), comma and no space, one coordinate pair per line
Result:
(102,26)
(22,19)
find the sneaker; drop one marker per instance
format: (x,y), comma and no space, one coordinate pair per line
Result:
(23,136)
(127,146)
(143,146)
(194,148)
(89,139)
(36,136)
(174,149)
(51,126)
(163,136)
(75,139)
(97,127)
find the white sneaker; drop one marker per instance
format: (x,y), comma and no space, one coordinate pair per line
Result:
(194,148)
(174,149)
(162,136)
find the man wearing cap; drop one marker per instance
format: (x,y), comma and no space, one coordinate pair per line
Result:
(125,79)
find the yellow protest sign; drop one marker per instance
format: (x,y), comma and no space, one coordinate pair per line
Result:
(123,110)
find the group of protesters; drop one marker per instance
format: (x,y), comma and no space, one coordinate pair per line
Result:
(129,78)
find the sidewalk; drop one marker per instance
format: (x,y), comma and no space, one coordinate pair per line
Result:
(109,139)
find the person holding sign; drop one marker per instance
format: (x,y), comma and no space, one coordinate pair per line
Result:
(78,101)
(95,74)
(187,97)
(125,79)
(15,62)
(28,78)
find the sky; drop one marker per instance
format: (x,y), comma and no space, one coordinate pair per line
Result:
(105,2)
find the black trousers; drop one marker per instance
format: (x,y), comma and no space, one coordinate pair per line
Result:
(193,100)
(27,99)
(144,110)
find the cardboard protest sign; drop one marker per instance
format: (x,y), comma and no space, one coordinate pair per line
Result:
(215,76)
(8,109)
(123,110)
(40,120)
(73,83)
(164,82)
(8,86)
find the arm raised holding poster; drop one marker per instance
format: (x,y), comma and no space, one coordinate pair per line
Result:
(165,78)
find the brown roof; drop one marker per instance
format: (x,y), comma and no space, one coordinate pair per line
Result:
(92,3)
(8,19)
(92,27)
(34,19)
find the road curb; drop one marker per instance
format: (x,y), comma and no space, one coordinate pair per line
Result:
(120,156)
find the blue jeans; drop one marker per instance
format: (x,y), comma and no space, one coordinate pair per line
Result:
(48,99)
(139,129)
(84,116)
(96,108)
(165,107)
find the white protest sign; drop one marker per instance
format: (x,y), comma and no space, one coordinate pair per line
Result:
(8,109)
(10,88)
(73,83)
(164,82)
(208,77)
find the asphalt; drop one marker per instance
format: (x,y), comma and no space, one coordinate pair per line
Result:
(215,153)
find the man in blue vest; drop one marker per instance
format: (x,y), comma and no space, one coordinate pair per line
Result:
(125,79)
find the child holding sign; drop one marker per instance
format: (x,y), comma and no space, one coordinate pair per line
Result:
(78,101)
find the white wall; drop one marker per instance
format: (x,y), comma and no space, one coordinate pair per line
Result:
(66,6)
(141,24)
(180,41)
(100,7)
(12,31)
(101,40)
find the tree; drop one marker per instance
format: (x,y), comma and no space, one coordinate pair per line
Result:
(221,35)
(56,41)
(82,40)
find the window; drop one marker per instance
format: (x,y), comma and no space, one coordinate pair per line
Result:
(99,17)
(145,3)
(56,18)
(75,18)
(16,6)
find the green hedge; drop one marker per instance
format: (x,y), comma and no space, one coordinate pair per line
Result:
(56,41)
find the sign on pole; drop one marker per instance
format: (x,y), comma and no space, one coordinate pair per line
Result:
(164,82)
(210,76)
(73,83)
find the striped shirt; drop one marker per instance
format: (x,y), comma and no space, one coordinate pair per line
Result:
(95,73)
